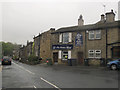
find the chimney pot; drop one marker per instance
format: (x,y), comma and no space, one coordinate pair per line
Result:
(80,21)
(102,17)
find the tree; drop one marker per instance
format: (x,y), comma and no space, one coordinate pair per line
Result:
(7,48)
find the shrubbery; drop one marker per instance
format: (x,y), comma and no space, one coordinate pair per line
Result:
(32,59)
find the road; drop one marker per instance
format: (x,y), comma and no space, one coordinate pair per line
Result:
(19,75)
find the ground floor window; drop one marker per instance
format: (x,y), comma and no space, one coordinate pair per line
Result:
(94,53)
(91,53)
(97,53)
(64,55)
(116,52)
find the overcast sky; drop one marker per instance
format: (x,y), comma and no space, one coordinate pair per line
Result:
(22,20)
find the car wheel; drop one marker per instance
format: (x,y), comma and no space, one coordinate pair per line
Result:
(113,67)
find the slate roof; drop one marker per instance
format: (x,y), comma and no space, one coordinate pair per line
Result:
(96,26)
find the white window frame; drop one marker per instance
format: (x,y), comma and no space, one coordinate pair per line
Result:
(89,51)
(97,52)
(60,54)
(90,33)
(64,36)
(97,32)
(70,37)
(64,54)
(69,54)
(60,37)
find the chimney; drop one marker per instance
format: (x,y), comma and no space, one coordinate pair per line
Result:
(80,21)
(52,29)
(27,42)
(102,17)
(110,16)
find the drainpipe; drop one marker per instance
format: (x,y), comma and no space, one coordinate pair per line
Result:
(85,44)
(39,47)
(106,45)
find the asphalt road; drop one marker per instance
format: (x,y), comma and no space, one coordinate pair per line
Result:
(19,75)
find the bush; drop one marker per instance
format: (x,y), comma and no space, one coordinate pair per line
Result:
(32,59)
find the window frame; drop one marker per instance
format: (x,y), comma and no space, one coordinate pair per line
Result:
(63,37)
(64,54)
(92,32)
(90,53)
(96,32)
(97,53)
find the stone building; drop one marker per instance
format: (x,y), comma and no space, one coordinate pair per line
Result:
(36,42)
(93,42)
(42,44)
(23,53)
(29,48)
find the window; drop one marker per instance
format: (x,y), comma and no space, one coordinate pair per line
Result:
(95,34)
(91,53)
(116,52)
(98,34)
(91,34)
(65,55)
(94,53)
(97,53)
(65,37)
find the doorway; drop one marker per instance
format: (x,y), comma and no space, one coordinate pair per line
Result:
(80,58)
(55,57)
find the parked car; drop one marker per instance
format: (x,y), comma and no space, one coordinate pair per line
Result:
(6,60)
(114,65)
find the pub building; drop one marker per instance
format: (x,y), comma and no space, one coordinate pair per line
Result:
(94,42)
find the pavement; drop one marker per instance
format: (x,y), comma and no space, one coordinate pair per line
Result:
(19,75)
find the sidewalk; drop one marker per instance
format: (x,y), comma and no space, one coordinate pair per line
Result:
(82,67)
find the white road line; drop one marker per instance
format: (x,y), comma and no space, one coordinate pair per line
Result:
(50,83)
(40,78)
(34,86)
(24,68)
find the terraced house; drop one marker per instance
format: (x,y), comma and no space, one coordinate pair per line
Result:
(42,44)
(94,42)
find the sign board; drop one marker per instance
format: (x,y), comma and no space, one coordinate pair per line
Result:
(79,40)
(62,47)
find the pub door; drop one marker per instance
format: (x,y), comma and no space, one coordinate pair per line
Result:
(55,57)
(80,58)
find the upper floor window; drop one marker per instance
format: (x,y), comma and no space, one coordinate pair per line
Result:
(91,35)
(95,34)
(65,37)
(98,34)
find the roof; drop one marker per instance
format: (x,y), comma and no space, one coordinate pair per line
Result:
(89,27)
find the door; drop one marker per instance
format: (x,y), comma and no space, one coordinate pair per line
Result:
(55,57)
(80,58)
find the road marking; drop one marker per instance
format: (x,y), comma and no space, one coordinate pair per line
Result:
(40,78)
(34,86)
(50,83)
(24,68)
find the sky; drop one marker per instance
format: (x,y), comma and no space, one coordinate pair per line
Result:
(20,20)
